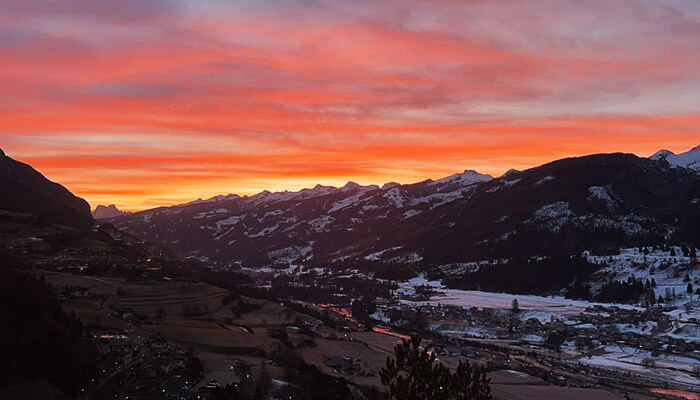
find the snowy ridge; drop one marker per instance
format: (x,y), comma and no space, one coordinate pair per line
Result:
(466,178)
(229,222)
(690,159)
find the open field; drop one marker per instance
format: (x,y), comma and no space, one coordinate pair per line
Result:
(554,304)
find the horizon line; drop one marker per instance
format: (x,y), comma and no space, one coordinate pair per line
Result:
(366,185)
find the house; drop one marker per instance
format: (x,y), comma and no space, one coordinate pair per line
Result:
(124,313)
(119,354)
(157,342)
(179,360)
(205,390)
(450,351)
(313,323)
(343,365)
(77,292)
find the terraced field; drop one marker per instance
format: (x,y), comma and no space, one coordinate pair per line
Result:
(172,297)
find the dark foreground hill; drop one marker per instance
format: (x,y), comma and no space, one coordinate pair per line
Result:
(23,189)
(39,339)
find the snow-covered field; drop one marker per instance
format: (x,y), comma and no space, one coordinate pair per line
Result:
(556,304)
(544,309)
(670,270)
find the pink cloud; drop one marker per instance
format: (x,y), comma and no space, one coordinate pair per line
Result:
(373,91)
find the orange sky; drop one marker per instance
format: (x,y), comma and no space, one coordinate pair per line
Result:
(153,103)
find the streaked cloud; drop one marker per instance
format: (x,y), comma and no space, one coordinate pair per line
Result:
(150,103)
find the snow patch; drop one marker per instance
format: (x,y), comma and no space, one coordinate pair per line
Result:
(601,193)
(545,179)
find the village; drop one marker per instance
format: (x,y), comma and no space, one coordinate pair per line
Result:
(653,347)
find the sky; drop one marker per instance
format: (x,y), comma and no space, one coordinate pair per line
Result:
(149,103)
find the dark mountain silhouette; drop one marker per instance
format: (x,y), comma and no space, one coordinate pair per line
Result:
(39,339)
(25,190)
(110,211)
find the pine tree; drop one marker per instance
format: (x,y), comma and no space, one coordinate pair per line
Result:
(515,306)
(414,375)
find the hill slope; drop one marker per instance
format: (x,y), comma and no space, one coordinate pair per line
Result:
(25,190)
(595,202)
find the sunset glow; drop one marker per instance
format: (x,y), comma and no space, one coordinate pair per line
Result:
(149,103)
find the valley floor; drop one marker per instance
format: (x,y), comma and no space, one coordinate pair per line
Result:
(224,342)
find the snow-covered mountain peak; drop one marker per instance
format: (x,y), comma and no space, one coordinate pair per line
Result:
(351,186)
(466,178)
(661,154)
(199,200)
(318,189)
(511,172)
(390,185)
(261,195)
(689,159)
(223,197)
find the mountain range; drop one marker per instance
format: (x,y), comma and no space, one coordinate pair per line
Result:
(598,202)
